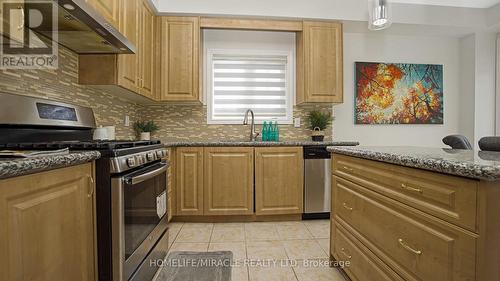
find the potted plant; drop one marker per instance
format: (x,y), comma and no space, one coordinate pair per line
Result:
(144,129)
(318,121)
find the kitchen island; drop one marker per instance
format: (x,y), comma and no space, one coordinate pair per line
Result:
(411,213)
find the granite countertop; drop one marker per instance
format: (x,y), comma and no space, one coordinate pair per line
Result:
(483,165)
(259,143)
(13,167)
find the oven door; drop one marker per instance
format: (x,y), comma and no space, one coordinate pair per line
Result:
(138,206)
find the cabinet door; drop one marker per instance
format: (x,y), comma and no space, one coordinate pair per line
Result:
(279,180)
(47,228)
(180,55)
(319,63)
(146,53)
(228,174)
(109,9)
(12,27)
(189,181)
(128,65)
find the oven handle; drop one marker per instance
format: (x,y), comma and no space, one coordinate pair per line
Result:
(146,176)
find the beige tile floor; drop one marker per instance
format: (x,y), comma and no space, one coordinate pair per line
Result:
(279,241)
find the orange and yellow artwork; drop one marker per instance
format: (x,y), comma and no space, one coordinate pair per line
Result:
(398,93)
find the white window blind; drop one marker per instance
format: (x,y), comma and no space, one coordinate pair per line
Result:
(259,82)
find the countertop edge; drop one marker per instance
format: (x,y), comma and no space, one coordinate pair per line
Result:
(455,168)
(25,166)
(256,144)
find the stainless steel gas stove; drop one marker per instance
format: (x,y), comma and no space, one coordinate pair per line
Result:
(131,181)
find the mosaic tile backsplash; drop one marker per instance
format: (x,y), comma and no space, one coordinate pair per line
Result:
(177,122)
(189,122)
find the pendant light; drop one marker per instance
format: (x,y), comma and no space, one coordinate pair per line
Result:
(379,12)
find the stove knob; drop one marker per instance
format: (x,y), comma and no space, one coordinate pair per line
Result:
(131,162)
(159,153)
(140,159)
(150,156)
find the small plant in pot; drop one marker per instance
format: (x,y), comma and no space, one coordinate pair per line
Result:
(144,129)
(318,121)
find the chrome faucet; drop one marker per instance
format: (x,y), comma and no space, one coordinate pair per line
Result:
(253,133)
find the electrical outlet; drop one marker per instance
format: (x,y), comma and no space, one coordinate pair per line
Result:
(296,122)
(127,121)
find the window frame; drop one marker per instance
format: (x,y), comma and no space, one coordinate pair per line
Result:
(209,83)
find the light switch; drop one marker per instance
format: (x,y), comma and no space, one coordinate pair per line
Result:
(296,122)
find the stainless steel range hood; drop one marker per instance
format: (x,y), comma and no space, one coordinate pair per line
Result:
(82,29)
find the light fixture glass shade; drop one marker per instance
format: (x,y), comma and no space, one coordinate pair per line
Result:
(379,14)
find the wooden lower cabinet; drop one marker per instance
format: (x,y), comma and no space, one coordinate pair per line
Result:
(419,247)
(279,180)
(363,264)
(418,224)
(47,226)
(228,173)
(215,181)
(189,181)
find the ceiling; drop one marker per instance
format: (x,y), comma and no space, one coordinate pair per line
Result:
(453,3)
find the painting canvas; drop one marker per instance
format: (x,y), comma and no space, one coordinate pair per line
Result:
(398,93)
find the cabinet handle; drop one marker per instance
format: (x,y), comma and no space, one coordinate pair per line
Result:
(410,188)
(21,25)
(405,246)
(91,187)
(342,250)
(348,169)
(346,206)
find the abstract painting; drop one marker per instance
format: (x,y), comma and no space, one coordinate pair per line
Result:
(398,93)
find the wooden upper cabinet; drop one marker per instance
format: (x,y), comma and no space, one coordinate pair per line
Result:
(279,180)
(319,63)
(47,224)
(128,70)
(189,181)
(134,72)
(14,34)
(146,50)
(109,9)
(180,52)
(228,188)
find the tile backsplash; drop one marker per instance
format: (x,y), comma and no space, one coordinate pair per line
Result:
(176,121)
(189,122)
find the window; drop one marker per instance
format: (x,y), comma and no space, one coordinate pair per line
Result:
(259,80)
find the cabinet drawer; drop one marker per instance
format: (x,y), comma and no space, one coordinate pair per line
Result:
(450,198)
(364,265)
(418,246)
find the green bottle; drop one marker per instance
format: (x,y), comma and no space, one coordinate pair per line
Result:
(265,131)
(277,132)
(273,131)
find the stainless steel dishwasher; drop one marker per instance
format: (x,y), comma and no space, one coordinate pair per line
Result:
(317,182)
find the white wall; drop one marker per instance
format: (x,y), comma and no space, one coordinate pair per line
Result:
(485,49)
(408,49)
(467,86)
